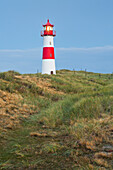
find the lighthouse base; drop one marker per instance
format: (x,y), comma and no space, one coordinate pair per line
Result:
(48,66)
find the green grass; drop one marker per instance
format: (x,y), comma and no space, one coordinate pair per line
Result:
(71,121)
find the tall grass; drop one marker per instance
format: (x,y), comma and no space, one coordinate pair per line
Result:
(76,107)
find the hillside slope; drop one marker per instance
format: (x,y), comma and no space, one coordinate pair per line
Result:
(62,121)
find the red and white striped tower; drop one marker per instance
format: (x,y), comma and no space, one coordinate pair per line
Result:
(48,59)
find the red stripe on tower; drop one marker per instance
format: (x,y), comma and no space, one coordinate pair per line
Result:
(48,58)
(48,53)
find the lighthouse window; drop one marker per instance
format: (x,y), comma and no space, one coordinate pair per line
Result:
(50,55)
(48,28)
(50,43)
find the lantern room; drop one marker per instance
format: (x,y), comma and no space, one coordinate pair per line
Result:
(48,30)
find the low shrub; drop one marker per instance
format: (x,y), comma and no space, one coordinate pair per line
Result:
(8,76)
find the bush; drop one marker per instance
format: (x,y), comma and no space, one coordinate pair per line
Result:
(8,76)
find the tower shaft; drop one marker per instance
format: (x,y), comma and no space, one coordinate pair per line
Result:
(48,58)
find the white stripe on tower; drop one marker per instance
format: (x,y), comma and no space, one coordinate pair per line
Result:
(48,41)
(48,66)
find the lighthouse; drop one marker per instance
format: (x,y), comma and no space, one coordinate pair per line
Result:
(48,57)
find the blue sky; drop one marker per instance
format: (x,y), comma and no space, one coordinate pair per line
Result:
(84,34)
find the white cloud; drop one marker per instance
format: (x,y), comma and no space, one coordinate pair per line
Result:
(19,50)
(91,49)
(18,53)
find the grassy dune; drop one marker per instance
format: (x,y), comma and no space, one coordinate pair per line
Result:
(62,121)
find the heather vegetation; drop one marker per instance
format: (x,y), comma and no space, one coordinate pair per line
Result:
(62,121)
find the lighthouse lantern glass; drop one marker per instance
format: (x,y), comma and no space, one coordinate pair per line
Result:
(45,28)
(48,28)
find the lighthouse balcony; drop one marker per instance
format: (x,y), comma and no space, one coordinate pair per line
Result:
(45,33)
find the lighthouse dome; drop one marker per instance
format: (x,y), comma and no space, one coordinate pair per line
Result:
(48,24)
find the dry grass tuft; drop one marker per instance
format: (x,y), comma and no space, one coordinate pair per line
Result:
(36,134)
(103,155)
(11,110)
(101,162)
